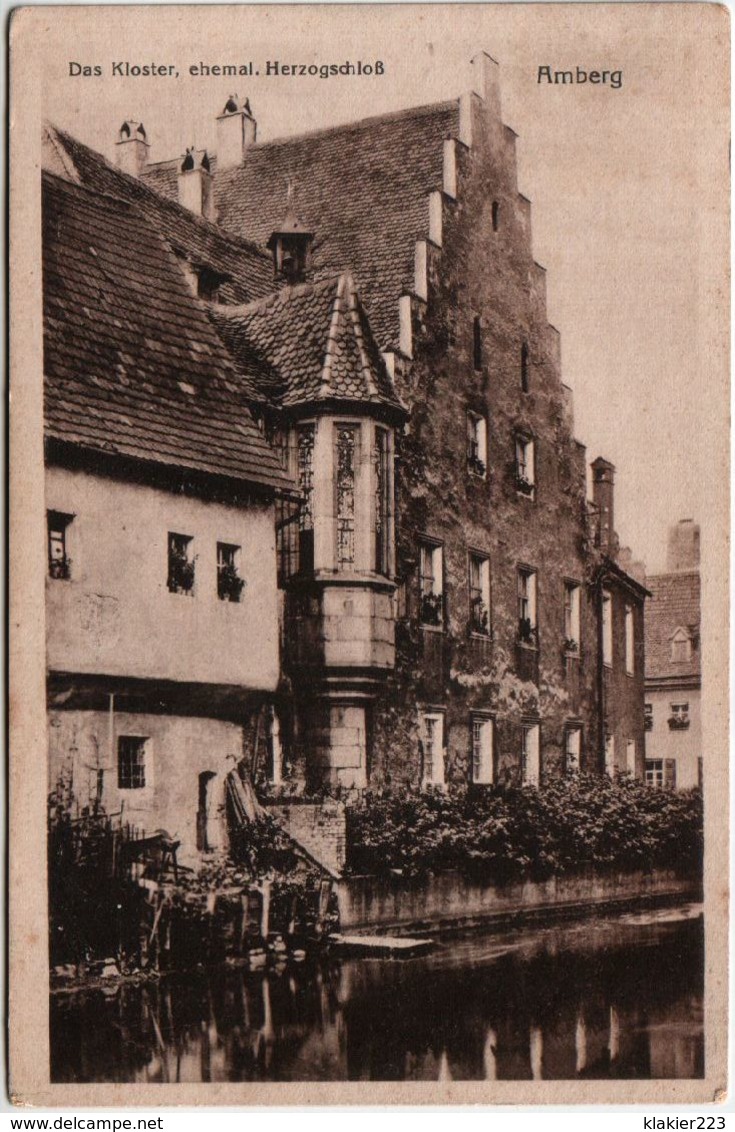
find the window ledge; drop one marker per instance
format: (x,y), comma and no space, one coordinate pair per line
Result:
(431,628)
(478,635)
(532,646)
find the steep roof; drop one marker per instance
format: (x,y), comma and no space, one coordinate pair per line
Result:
(674,604)
(312,343)
(249,269)
(132,363)
(361,188)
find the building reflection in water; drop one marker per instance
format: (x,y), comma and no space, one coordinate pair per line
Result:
(592,1001)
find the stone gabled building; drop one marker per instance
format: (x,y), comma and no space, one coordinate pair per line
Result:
(674,665)
(451,606)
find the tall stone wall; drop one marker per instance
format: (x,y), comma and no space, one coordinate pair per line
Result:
(485,269)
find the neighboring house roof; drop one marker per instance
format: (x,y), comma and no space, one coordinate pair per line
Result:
(249,269)
(132,364)
(674,605)
(361,188)
(312,343)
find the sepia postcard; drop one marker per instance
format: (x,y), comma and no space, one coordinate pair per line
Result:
(369,552)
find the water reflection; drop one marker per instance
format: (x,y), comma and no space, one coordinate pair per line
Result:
(614,999)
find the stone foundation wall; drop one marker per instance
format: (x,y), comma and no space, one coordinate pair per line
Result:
(394,903)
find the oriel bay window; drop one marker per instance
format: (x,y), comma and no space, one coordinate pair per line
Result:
(346,457)
(431,584)
(527,610)
(479,586)
(59,563)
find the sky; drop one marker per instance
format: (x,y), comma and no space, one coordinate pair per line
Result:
(628,186)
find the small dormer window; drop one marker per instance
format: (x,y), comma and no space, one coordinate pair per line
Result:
(681,647)
(290,244)
(208,284)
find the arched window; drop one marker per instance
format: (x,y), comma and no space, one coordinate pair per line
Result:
(525,368)
(477,343)
(496,215)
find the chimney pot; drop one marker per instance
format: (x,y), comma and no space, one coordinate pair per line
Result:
(603,496)
(236,131)
(132,147)
(195,184)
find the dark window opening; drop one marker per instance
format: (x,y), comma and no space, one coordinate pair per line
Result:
(59,563)
(131,762)
(525,369)
(496,215)
(229,583)
(477,343)
(180,564)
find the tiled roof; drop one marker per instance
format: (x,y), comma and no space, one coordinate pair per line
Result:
(361,188)
(249,269)
(132,363)
(674,604)
(313,343)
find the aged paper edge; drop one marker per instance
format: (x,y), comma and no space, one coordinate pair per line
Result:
(28,966)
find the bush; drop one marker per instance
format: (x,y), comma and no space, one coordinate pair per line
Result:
(501,834)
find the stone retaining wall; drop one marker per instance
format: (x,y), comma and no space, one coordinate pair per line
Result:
(448,899)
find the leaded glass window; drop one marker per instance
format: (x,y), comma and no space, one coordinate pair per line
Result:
(346,446)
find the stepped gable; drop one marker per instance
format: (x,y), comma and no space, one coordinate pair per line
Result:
(248,268)
(133,366)
(361,188)
(674,604)
(315,342)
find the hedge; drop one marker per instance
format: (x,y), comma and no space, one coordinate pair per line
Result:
(501,833)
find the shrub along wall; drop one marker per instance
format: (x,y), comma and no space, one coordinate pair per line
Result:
(503,834)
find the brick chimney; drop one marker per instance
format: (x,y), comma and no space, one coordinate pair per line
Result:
(131,148)
(603,497)
(236,130)
(683,547)
(195,184)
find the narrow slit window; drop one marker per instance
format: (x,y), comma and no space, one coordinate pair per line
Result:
(482,750)
(525,466)
(59,563)
(531,754)
(527,611)
(432,748)
(571,616)
(477,342)
(525,368)
(607,628)
(476,444)
(479,580)
(431,584)
(495,211)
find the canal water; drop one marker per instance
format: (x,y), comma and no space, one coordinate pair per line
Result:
(619,997)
